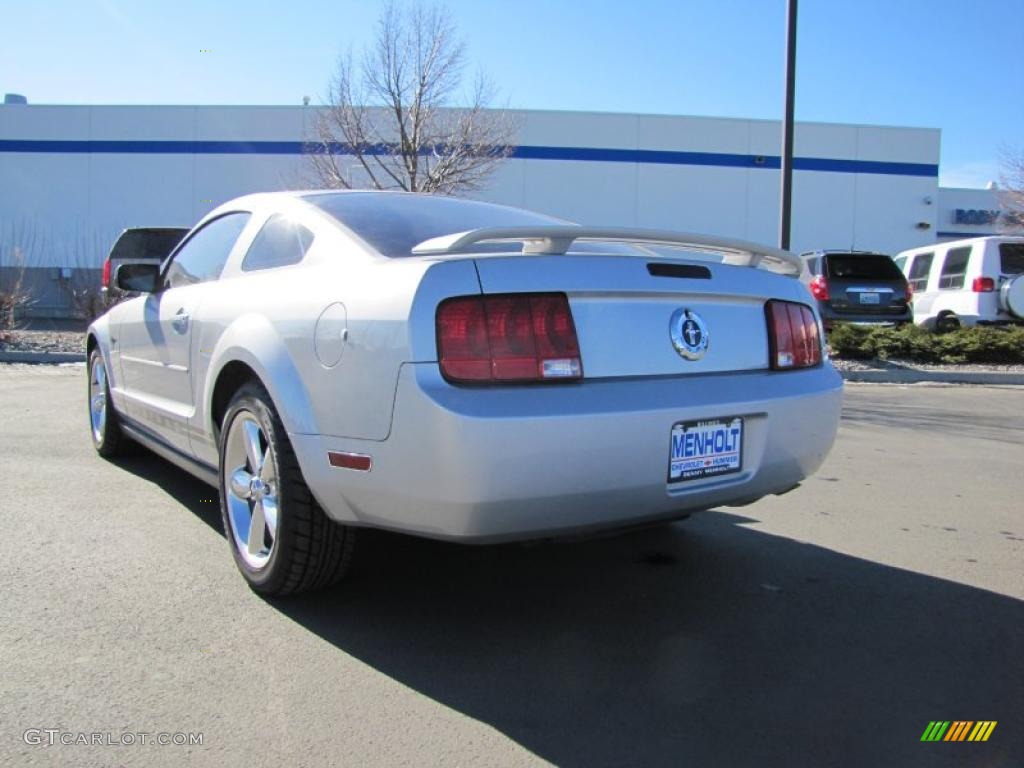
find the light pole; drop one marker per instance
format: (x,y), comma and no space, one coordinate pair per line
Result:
(787,127)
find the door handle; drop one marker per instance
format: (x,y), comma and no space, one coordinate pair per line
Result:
(180,321)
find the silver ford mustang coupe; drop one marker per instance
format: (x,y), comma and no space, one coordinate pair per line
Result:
(457,370)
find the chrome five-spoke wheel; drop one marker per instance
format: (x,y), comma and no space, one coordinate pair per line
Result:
(104,423)
(280,538)
(98,398)
(251,490)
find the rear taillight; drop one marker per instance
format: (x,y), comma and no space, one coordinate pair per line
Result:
(908,293)
(983,285)
(793,338)
(819,288)
(105,280)
(510,337)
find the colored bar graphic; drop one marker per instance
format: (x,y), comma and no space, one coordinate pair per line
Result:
(958,730)
(935,730)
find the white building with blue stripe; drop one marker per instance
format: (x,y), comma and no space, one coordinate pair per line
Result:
(77,175)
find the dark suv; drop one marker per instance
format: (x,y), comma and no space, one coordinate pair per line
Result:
(857,287)
(138,245)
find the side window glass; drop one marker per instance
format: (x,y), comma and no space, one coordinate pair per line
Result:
(899,261)
(202,258)
(1011,258)
(280,242)
(954,268)
(919,269)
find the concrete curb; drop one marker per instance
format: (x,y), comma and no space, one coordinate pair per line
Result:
(42,357)
(910,376)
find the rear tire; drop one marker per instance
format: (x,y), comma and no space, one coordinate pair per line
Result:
(104,423)
(946,323)
(294,547)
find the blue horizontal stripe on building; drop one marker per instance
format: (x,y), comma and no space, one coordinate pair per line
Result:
(590,154)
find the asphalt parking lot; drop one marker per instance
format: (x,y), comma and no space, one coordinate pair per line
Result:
(826,627)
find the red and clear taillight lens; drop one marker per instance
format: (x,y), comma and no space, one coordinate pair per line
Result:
(793,337)
(819,288)
(518,337)
(105,280)
(983,285)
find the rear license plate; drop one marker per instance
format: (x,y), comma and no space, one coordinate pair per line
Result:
(705,449)
(870,298)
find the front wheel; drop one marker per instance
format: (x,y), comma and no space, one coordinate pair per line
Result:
(104,424)
(281,539)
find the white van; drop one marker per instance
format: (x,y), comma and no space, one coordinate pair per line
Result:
(977,281)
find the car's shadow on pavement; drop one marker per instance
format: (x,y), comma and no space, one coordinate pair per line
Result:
(702,643)
(191,493)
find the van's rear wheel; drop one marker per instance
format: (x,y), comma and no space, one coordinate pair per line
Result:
(947,322)
(281,539)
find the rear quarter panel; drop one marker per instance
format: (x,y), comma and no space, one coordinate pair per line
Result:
(269,320)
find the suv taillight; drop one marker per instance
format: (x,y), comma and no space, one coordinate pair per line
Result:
(518,337)
(819,288)
(908,292)
(983,285)
(105,280)
(793,338)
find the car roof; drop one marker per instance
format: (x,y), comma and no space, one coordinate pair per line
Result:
(839,252)
(965,241)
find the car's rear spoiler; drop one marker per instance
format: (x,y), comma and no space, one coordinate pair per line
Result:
(558,239)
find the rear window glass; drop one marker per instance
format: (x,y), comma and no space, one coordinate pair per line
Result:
(919,269)
(954,268)
(1011,258)
(857,266)
(393,224)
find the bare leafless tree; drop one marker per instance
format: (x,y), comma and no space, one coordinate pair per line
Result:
(82,290)
(1011,192)
(391,121)
(19,243)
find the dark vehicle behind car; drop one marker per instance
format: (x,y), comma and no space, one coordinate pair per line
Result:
(857,287)
(139,245)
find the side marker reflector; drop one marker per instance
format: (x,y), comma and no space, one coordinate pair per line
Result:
(358,461)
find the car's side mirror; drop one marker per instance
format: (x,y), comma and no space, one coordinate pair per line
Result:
(142,278)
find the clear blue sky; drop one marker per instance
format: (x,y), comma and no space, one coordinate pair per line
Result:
(949,64)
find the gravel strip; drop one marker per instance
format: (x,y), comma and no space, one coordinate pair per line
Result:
(44,341)
(910,365)
(980,368)
(858,365)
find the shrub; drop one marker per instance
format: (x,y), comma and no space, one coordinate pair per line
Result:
(15,248)
(82,290)
(86,299)
(981,344)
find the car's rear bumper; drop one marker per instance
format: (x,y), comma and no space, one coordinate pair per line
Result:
(830,315)
(504,463)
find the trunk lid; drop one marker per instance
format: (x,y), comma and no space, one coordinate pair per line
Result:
(623,308)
